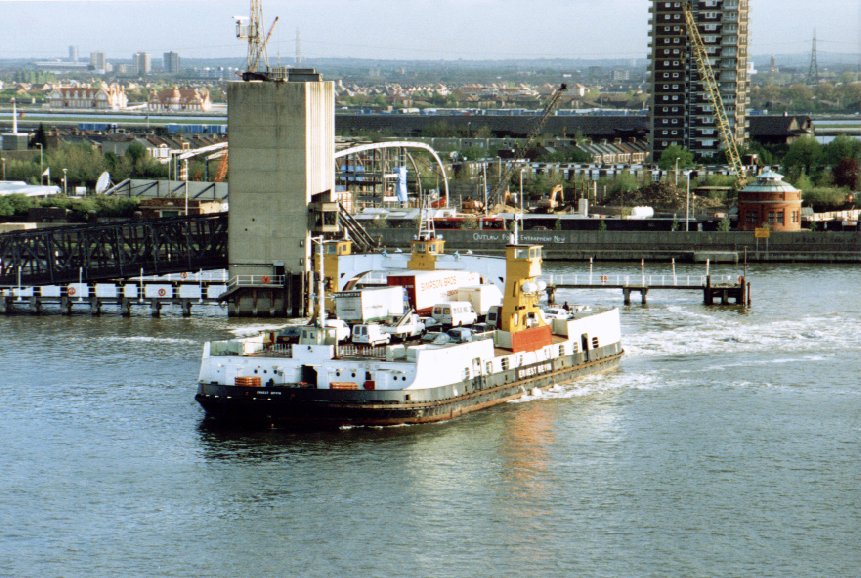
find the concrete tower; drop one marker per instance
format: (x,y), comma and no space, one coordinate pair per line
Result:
(143,62)
(680,111)
(282,157)
(171,62)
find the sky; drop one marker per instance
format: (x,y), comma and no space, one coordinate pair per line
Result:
(397,29)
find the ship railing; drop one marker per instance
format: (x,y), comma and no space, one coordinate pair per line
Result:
(362,351)
(255,281)
(279,350)
(662,280)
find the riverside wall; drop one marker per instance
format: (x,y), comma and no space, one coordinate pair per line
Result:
(694,246)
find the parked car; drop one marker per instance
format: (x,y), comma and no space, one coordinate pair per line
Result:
(482,331)
(460,334)
(436,337)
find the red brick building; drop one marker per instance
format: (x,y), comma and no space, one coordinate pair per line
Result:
(769,202)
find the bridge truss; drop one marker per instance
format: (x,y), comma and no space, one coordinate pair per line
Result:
(113,251)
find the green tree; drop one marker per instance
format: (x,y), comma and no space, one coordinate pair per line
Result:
(824,199)
(842,147)
(766,157)
(623,183)
(673,152)
(803,157)
(11,205)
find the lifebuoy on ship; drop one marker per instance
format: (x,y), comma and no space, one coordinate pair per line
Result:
(162,292)
(183,275)
(266,279)
(70,291)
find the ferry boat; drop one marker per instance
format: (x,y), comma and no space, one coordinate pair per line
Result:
(321,383)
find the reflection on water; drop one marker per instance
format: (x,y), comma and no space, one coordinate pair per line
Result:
(525,444)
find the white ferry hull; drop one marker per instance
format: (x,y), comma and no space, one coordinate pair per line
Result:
(293,406)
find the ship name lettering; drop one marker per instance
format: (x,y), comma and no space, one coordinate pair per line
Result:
(535,370)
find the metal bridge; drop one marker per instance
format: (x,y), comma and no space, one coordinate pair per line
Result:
(69,254)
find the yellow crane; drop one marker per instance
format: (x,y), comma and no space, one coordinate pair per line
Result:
(707,77)
(499,194)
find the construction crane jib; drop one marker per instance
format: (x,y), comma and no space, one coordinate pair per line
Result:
(707,77)
(520,152)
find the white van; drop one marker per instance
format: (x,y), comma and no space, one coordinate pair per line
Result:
(456,313)
(371,334)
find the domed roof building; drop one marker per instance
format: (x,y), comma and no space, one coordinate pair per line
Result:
(769,202)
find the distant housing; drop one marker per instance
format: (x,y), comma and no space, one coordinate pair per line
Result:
(180,99)
(102,97)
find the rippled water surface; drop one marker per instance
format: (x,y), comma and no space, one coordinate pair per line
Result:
(728,443)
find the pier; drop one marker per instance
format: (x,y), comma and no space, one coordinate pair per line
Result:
(182,290)
(725,290)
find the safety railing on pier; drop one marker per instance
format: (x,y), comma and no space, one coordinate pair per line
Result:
(620,280)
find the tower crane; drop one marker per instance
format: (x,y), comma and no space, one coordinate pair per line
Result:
(549,108)
(251,28)
(707,77)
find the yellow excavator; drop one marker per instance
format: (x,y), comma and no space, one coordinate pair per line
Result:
(553,202)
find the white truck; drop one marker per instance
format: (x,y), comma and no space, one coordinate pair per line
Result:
(342,330)
(410,325)
(481,297)
(369,304)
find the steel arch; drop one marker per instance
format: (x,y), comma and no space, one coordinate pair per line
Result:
(399,144)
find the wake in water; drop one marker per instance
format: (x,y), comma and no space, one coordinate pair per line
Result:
(148,339)
(251,330)
(681,331)
(599,384)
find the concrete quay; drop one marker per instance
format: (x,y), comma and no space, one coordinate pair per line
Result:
(684,247)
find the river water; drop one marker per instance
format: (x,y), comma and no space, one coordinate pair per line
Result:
(728,443)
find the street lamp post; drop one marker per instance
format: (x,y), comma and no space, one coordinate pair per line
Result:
(677,172)
(321,283)
(521,204)
(4,168)
(65,184)
(185,184)
(41,163)
(687,198)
